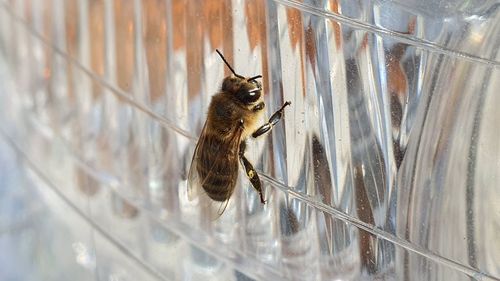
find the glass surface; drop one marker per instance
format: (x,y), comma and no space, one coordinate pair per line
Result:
(385,166)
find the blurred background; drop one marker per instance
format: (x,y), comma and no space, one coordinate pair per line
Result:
(385,167)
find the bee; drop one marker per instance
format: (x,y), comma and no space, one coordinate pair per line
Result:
(233,116)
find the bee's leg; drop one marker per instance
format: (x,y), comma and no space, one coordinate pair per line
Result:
(275,118)
(251,173)
(253,177)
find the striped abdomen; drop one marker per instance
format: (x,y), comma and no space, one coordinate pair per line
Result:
(217,166)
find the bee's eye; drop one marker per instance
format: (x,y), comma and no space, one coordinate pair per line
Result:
(256,83)
(248,96)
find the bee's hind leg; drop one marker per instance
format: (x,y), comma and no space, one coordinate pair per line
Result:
(275,118)
(251,173)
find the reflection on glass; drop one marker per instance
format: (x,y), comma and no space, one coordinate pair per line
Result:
(382,168)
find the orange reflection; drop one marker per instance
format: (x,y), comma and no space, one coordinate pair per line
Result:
(255,14)
(397,84)
(296,34)
(47,73)
(71,24)
(96,35)
(211,21)
(124,28)
(178,22)
(256,23)
(294,20)
(334,7)
(155,42)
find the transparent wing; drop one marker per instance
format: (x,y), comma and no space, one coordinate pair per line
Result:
(195,190)
(194,183)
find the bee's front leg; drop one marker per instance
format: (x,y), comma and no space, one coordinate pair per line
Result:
(251,173)
(275,118)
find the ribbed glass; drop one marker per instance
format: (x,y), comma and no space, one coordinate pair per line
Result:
(386,165)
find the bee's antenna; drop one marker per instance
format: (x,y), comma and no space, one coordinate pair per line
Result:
(255,77)
(225,61)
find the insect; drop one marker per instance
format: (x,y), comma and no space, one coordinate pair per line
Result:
(233,116)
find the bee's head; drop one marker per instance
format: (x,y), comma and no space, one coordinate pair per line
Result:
(246,90)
